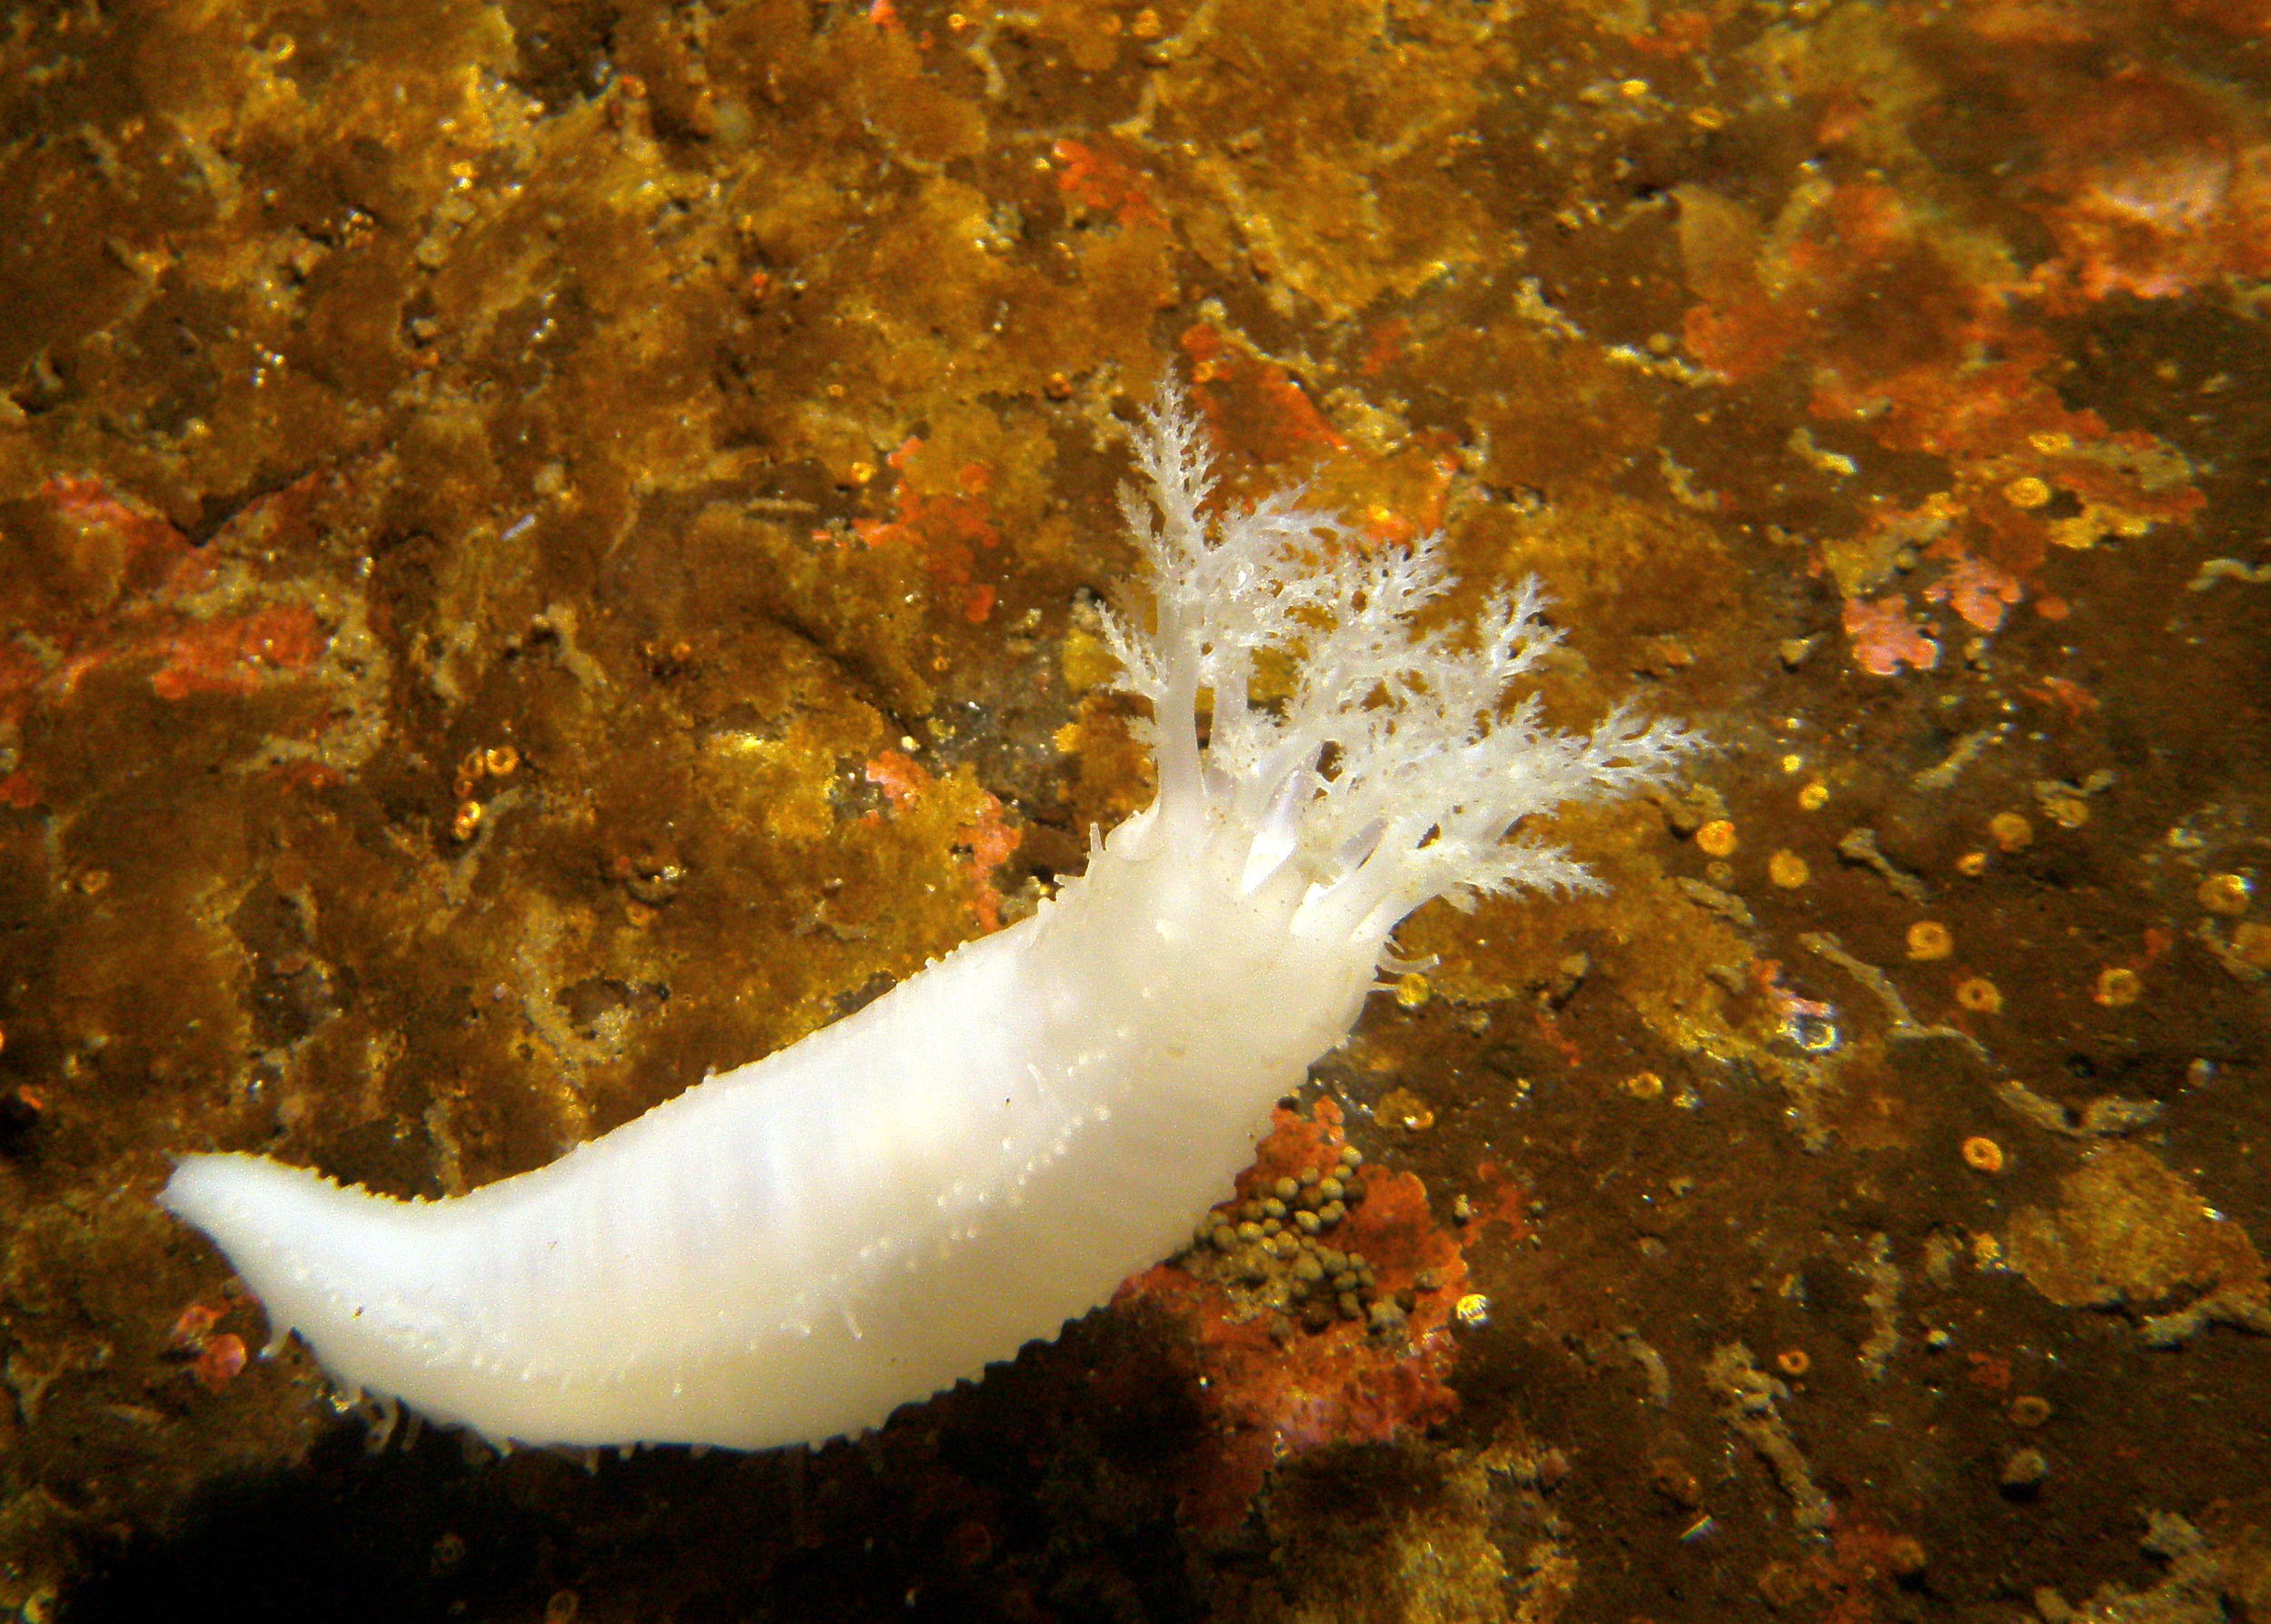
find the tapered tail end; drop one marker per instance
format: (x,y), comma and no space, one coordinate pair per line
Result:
(267,1219)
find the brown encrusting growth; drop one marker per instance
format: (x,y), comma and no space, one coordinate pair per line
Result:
(549,546)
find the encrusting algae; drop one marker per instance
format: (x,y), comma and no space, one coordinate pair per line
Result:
(718,408)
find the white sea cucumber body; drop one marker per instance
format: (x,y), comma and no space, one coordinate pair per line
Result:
(790,1250)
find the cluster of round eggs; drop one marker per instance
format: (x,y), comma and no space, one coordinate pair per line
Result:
(1278,1235)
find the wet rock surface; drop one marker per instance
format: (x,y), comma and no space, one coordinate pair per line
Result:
(548,549)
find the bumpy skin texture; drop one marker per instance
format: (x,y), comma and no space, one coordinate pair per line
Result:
(788,1251)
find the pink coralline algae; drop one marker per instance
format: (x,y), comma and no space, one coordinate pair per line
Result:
(1271,1391)
(2158,228)
(2153,189)
(1885,639)
(984,838)
(1977,590)
(945,528)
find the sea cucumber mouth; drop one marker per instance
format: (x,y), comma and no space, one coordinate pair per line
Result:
(1279,838)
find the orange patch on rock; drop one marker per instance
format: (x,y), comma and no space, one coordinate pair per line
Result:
(1100,179)
(1384,345)
(2072,697)
(150,568)
(93,504)
(2153,188)
(1676,33)
(900,778)
(1739,341)
(1979,592)
(1273,1391)
(221,1363)
(1500,1200)
(1572,1052)
(308,775)
(216,1360)
(1861,1565)
(192,1326)
(237,656)
(1990,1372)
(1885,639)
(1286,422)
(946,527)
(1993,423)
(983,836)
(1951,359)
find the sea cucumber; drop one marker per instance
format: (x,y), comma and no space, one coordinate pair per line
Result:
(788,1251)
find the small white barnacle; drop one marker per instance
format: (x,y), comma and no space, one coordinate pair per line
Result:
(1221,939)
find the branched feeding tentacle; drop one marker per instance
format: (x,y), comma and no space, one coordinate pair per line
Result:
(1396,770)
